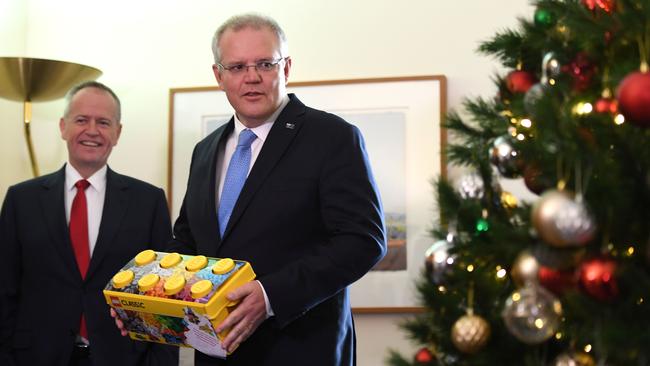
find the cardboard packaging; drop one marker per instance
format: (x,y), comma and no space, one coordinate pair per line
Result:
(176,299)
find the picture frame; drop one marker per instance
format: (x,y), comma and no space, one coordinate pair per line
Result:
(400,119)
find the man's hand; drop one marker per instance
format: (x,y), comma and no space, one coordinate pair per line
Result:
(247,316)
(119,323)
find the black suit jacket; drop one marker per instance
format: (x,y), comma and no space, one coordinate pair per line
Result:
(42,294)
(310,222)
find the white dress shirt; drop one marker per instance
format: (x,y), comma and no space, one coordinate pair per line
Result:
(262,132)
(95,195)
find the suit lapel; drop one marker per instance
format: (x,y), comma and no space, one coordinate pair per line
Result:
(282,133)
(206,180)
(115,205)
(53,207)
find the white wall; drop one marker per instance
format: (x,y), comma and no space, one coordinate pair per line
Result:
(146,47)
(15,161)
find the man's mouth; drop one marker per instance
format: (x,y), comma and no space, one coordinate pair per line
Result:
(90,143)
(252,94)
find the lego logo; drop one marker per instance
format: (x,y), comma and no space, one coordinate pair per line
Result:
(115,302)
(133,304)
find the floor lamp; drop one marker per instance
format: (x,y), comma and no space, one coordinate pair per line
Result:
(30,80)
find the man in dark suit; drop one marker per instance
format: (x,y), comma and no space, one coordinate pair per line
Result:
(62,241)
(308,217)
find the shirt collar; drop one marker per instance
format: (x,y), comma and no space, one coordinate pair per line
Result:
(262,131)
(97,180)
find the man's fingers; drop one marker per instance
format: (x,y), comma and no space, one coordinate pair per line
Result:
(246,317)
(240,292)
(238,335)
(118,323)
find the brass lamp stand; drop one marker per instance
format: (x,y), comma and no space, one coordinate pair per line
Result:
(30,80)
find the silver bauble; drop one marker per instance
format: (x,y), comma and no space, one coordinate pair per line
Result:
(561,220)
(533,96)
(438,262)
(551,67)
(470,186)
(505,157)
(559,258)
(532,314)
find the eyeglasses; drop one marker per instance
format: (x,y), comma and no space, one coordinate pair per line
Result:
(260,66)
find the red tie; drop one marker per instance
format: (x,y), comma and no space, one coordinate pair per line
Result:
(79,236)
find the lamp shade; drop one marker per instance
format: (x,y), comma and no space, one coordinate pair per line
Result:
(38,80)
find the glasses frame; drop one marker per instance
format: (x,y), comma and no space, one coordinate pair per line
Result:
(256,66)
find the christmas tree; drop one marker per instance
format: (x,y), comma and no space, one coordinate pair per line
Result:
(565,278)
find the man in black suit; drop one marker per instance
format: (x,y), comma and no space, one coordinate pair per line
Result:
(308,217)
(58,253)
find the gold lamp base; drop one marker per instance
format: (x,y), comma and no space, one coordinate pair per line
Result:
(30,80)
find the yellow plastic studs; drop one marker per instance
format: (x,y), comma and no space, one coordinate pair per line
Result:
(200,289)
(223,266)
(123,278)
(170,260)
(145,257)
(197,263)
(148,281)
(174,284)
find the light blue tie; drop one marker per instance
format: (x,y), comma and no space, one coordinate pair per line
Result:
(235,177)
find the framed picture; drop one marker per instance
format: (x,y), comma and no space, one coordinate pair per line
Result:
(400,120)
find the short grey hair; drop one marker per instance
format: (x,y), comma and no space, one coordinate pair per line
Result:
(249,20)
(92,84)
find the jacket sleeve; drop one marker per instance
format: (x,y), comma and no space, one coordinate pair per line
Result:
(161,229)
(183,241)
(9,277)
(161,234)
(352,215)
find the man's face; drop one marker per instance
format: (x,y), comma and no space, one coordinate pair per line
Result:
(90,129)
(254,94)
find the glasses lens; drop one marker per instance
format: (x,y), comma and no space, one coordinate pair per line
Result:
(262,66)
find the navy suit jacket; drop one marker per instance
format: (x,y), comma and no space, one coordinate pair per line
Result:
(308,219)
(42,293)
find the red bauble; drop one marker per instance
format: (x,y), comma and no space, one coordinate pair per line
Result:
(587,136)
(606,105)
(519,81)
(605,5)
(597,278)
(608,37)
(582,71)
(634,98)
(423,356)
(534,179)
(557,281)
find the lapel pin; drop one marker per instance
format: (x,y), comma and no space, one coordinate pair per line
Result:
(290,126)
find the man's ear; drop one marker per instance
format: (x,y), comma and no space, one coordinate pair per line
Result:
(61,126)
(287,69)
(217,73)
(119,132)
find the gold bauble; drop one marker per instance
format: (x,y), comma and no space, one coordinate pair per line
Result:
(508,200)
(574,359)
(525,269)
(470,333)
(562,221)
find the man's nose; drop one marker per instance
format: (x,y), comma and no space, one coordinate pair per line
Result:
(92,127)
(252,76)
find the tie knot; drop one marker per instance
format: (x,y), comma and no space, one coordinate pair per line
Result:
(82,184)
(246,138)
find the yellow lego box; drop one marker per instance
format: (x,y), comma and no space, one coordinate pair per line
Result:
(176,299)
